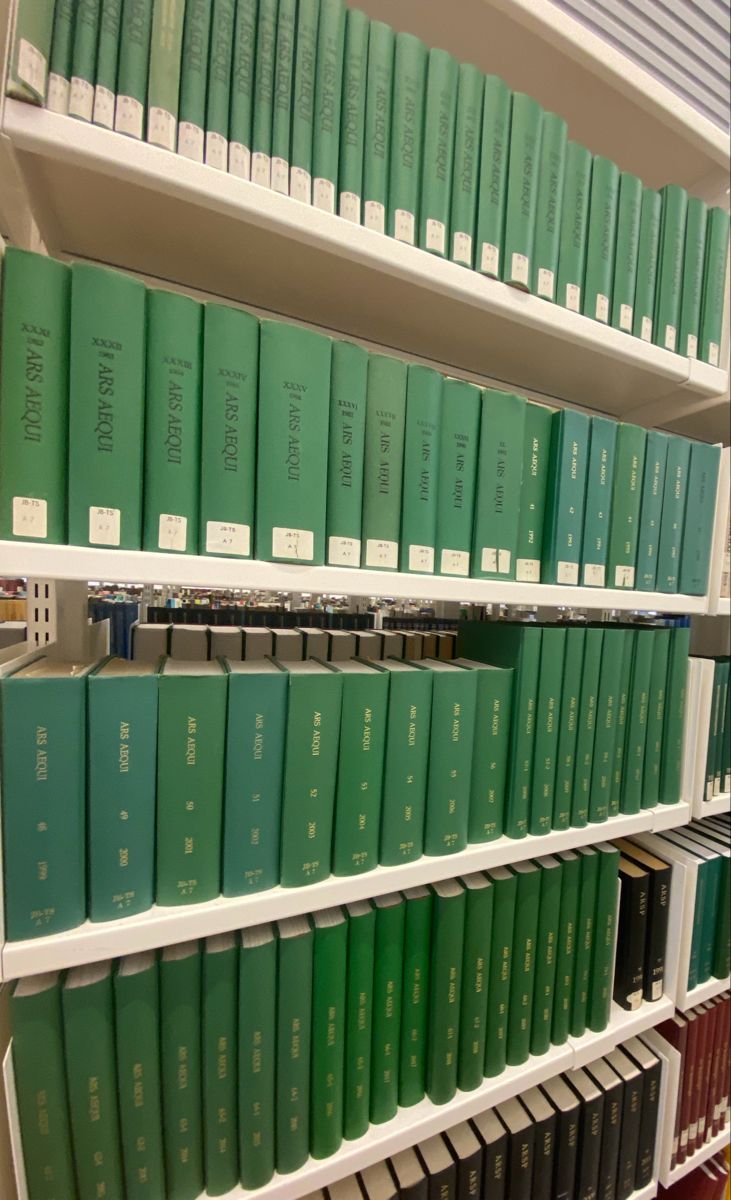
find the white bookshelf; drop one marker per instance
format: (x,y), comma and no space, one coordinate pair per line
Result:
(711,1147)
(712,808)
(705,991)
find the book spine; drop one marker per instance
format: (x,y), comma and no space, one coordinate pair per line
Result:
(597,510)
(653,489)
(282,85)
(450,760)
(654,982)
(714,286)
(415,999)
(548,705)
(625,259)
(600,994)
(473,1012)
(219,1068)
(536,445)
(328,1038)
(83,59)
(524,966)
(137,1044)
(574,227)
(636,738)
(360,773)
(458,449)
(629,973)
(623,701)
(672,525)
(568,727)
(670,273)
(409,86)
(445,990)
(256,1061)
(242,88)
(566,949)
(436,180)
(263,93)
(565,497)
(303,103)
(673,729)
(328,96)
(132,70)
(405,767)
(522,735)
(546,958)
(294,1007)
(500,963)
(194,80)
(700,512)
(585,936)
(497,502)
(603,761)
(163,87)
(601,240)
(551,175)
(352,123)
(495,152)
(105,90)
(692,277)
(383,463)
(626,498)
(522,190)
(643,322)
(59,63)
(346,447)
(387,1000)
(358,1023)
(378,119)
(421,469)
(655,718)
(493,708)
(218,96)
(465,181)
(28,67)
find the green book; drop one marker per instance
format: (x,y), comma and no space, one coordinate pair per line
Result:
(547,725)
(700,510)
(163,85)
(653,490)
(263,93)
(672,525)
(536,446)
(181,1068)
(219,1044)
(499,475)
(388,955)
(656,701)
(242,88)
(568,726)
(479,893)
(406,763)
(605,735)
(643,322)
(601,239)
(493,704)
(329,958)
(671,762)
(310,764)
(450,757)
(194,79)
(120,783)
(526,126)
(383,462)
(415,996)
(137,1043)
(293,1042)
(574,227)
(360,767)
(692,277)
(407,132)
(716,723)
(59,62)
(505,886)
(626,500)
(714,286)
(585,938)
(228,430)
(551,176)
(458,449)
(34,396)
(44,800)
(91,1079)
(358,1018)
(294,413)
(328,94)
(172,426)
(283,84)
(566,946)
(597,507)
(107,57)
(586,726)
(625,258)
(723,730)
(28,67)
(565,497)
(40,1086)
(346,447)
(440,114)
(546,954)
(132,69)
(421,469)
(218,95)
(83,59)
(605,920)
(623,700)
(190,746)
(303,100)
(106,408)
(670,266)
(636,720)
(353,116)
(465,178)
(495,152)
(522,976)
(257,1057)
(378,119)
(445,990)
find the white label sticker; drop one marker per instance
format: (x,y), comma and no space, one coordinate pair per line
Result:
(593,575)
(105,526)
(520,269)
(670,336)
(129,116)
(573,297)
(490,259)
(504,559)
(709,789)
(103,107)
(300,185)
(421,558)
(656,989)
(216,150)
(58,94)
(323,194)
(172,532)
(727,783)
(350,207)
(32,66)
(343,552)
(625,317)
(261,169)
(162,128)
(280,176)
(30,517)
(545,283)
(692,347)
(81,99)
(602,307)
(435,235)
(713,353)
(374,216)
(455,562)
(488,559)
(646,329)
(567,572)
(297,544)
(462,248)
(528,570)
(191,141)
(239,160)
(624,577)
(634,999)
(227,537)
(404,226)
(381,554)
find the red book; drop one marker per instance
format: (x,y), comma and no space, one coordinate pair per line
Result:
(714,1082)
(675,1031)
(725,1063)
(698,1185)
(703,1073)
(688,1086)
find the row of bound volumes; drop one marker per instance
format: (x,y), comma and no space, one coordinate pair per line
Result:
(233,1058)
(243,642)
(141,418)
(317,102)
(718,761)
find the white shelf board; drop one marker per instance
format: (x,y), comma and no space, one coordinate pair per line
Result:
(712,808)
(706,991)
(724,606)
(33,560)
(622,1025)
(107,197)
(165,926)
(707,1151)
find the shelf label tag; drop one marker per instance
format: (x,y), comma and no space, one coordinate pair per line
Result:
(172,532)
(162,128)
(191,141)
(455,562)
(32,66)
(343,552)
(435,235)
(350,207)
(374,216)
(30,517)
(239,160)
(646,329)
(670,336)
(58,95)
(528,570)
(297,544)
(593,575)
(129,116)
(573,297)
(624,577)
(490,259)
(545,283)
(216,150)
(81,99)
(713,353)
(403,229)
(504,559)
(520,269)
(226,537)
(300,185)
(105,526)
(462,248)
(261,169)
(602,307)
(567,572)
(323,194)
(692,347)
(103,107)
(421,558)
(381,554)
(626,313)
(280,176)
(494,560)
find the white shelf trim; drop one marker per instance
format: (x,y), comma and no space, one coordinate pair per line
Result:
(705,991)
(707,1151)
(712,808)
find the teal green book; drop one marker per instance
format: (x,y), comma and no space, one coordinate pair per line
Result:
(263,94)
(492,191)
(257,1029)
(303,100)
(656,700)
(107,55)
(714,286)
(445,990)
(605,921)
(329,959)
(546,954)
(388,958)
(83,59)
(672,525)
(568,726)
(625,257)
(194,79)
(406,763)
(692,277)
(218,98)
(536,448)
(415,996)
(601,240)
(328,95)
(643,322)
(465,177)
(384,462)
(522,979)
(637,708)
(586,726)
(377,135)
(219,1044)
(242,88)
(358,1018)
(361,754)
(493,707)
(574,227)
(565,497)
(598,503)
(700,510)
(352,121)
(294,1008)
(346,448)
(610,682)
(421,469)
(505,886)
(163,84)
(623,700)
(458,450)
(566,946)
(624,530)
(526,127)
(551,176)
(547,724)
(479,893)
(28,67)
(407,135)
(137,1045)
(440,113)
(282,85)
(653,491)
(670,266)
(671,762)
(585,938)
(451,746)
(59,61)
(132,69)
(499,475)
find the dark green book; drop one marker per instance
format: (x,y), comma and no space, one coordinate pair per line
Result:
(358,1018)
(526,126)
(601,240)
(536,448)
(568,726)
(605,921)
(653,490)
(421,469)
(445,990)
(137,1040)
(585,937)
(551,176)
(406,763)
(605,724)
(407,131)
(326,112)
(377,139)
(672,525)
(566,946)
(295,939)
(522,979)
(194,80)
(656,700)
(505,886)
(495,151)
(493,706)
(352,123)
(586,726)
(257,1054)
(692,277)
(387,998)
(565,497)
(329,958)
(346,446)
(714,286)
(360,767)
(499,475)
(625,258)
(671,762)
(547,724)
(242,89)
(181,1068)
(218,98)
(626,499)
(700,512)
(451,744)
(440,112)
(479,894)
(219,1043)
(647,264)
(598,504)
(623,700)
(415,996)
(670,266)
(637,707)
(384,462)
(546,953)
(465,177)
(458,451)
(282,94)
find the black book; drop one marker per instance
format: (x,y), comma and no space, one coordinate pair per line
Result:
(315,643)
(543,1116)
(287,645)
(409,1175)
(467,1153)
(629,1141)
(660,876)
(377,1183)
(345,1189)
(629,973)
(493,1137)
(368,644)
(613,1089)
(521,1143)
(342,645)
(258,643)
(590,1132)
(651,1069)
(440,1169)
(568,1110)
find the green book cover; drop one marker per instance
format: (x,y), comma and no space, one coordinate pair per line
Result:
(643,322)
(445,990)
(242,88)
(565,497)
(83,59)
(263,93)
(190,745)
(328,96)
(353,116)
(421,469)
(656,701)
(137,1044)
(716,719)
(378,120)
(383,462)
(415,996)
(499,476)
(605,920)
(228,430)
(465,178)
(406,763)
(586,726)
(283,84)
(574,227)
(723,731)
(692,277)
(106,407)
(536,446)
(566,946)
(493,705)
(548,712)
(219,1039)
(257,1028)
(700,511)
(163,85)
(358,1018)
(40,1086)
(626,500)
(310,764)
(585,939)
(407,132)
(526,127)
(505,885)
(479,893)
(132,69)
(120,788)
(294,414)
(653,490)
(329,959)
(346,448)
(714,286)
(181,1069)
(360,768)
(623,699)
(671,762)
(522,977)
(610,682)
(458,449)
(388,956)
(670,266)
(59,62)
(293,1042)
(28,67)
(493,180)
(218,95)
(303,100)
(636,722)
(625,258)
(91,1079)
(107,57)
(451,746)
(546,954)
(34,401)
(194,79)
(672,525)
(568,726)
(551,176)
(601,239)
(598,502)
(440,114)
